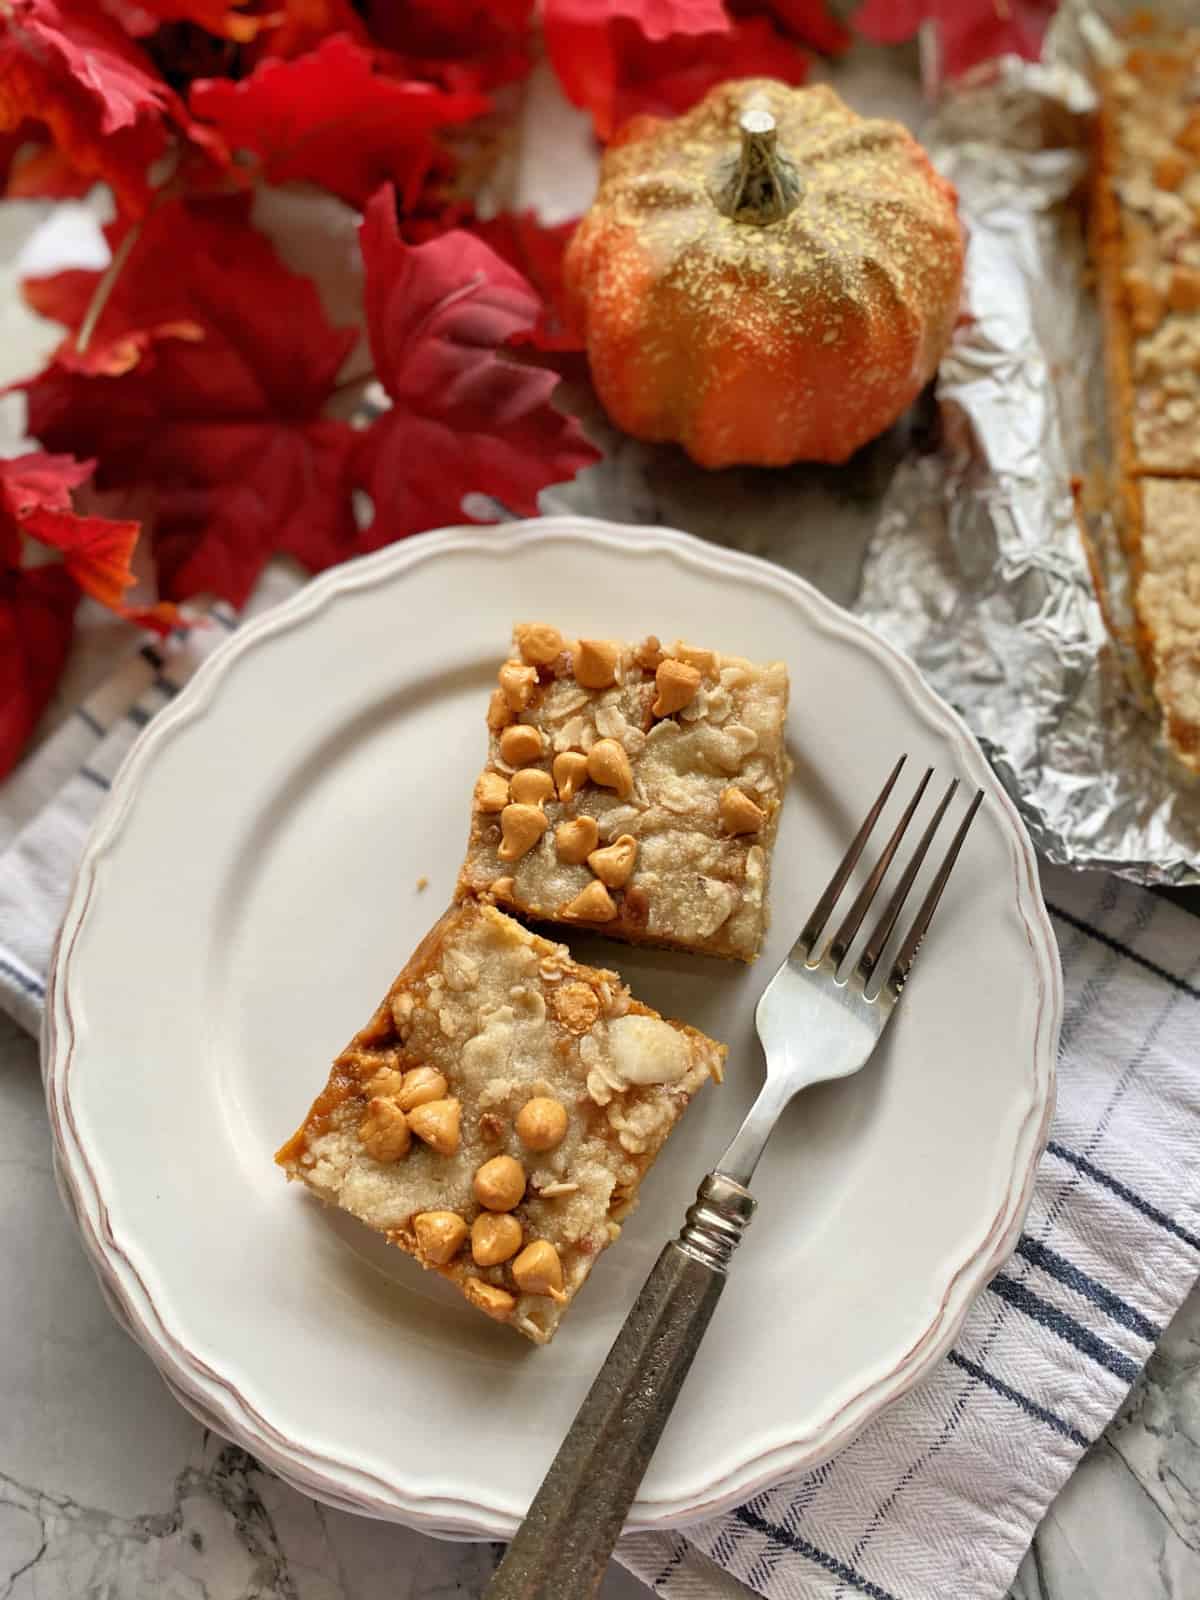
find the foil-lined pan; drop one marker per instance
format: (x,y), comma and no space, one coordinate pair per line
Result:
(979,564)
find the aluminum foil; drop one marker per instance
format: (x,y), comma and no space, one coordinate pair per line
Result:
(977,567)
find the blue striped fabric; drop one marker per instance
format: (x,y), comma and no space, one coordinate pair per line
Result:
(939,1497)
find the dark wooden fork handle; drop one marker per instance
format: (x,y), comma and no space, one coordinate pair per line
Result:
(562,1548)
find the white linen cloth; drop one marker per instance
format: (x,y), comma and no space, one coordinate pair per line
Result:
(939,1497)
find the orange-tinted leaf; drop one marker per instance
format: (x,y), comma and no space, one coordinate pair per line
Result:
(587,41)
(32,169)
(332,118)
(223,17)
(298,26)
(465,417)
(96,551)
(73,70)
(37,613)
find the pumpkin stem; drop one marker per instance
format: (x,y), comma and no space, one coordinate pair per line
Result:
(761,185)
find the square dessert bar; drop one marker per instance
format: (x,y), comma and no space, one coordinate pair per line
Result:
(1145,232)
(631,789)
(496,1116)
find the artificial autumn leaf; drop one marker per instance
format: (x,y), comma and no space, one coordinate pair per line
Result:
(464,418)
(226,429)
(967,31)
(39,482)
(146,298)
(668,77)
(461,44)
(587,42)
(73,70)
(809,21)
(294,27)
(331,118)
(37,615)
(536,250)
(32,169)
(223,17)
(35,502)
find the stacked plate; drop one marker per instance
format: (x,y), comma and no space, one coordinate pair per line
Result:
(253,886)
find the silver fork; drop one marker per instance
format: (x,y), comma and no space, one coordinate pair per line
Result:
(818,1019)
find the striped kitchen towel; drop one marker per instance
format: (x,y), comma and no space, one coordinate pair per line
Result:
(939,1498)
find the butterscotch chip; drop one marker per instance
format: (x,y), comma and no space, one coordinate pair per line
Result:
(538,642)
(491,792)
(587,1120)
(575,1005)
(574,841)
(595,663)
(531,786)
(384,1131)
(495,1303)
(541,1123)
(593,904)
(677,684)
(520,744)
(614,864)
(517,683)
(437,1123)
(439,1235)
(739,814)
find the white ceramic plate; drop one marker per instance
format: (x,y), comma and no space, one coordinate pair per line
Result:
(251,889)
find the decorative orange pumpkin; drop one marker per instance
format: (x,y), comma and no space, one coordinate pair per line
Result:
(769,278)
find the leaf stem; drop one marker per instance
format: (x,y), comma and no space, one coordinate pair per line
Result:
(104,288)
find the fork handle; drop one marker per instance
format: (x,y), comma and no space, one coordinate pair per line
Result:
(561,1549)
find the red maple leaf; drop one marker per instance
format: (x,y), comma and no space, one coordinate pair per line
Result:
(35,502)
(809,21)
(226,429)
(37,617)
(967,31)
(464,417)
(588,41)
(297,26)
(31,168)
(668,77)
(223,17)
(72,70)
(332,118)
(461,44)
(536,250)
(37,604)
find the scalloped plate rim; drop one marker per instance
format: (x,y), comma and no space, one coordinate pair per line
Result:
(216,1400)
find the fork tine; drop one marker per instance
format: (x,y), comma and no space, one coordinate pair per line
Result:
(902,965)
(844,937)
(815,925)
(876,944)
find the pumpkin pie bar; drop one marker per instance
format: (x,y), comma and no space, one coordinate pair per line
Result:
(1146,240)
(631,789)
(496,1116)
